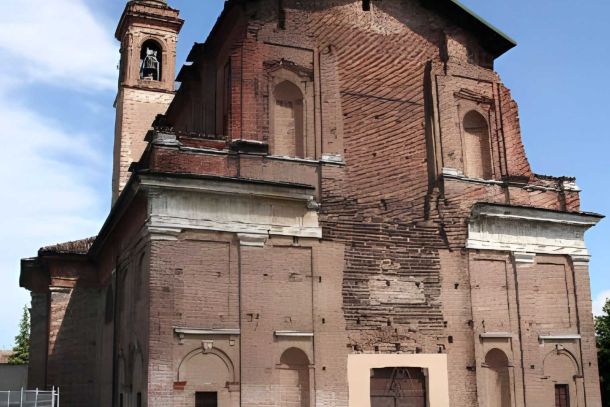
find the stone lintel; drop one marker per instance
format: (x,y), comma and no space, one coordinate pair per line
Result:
(496,335)
(293,334)
(559,338)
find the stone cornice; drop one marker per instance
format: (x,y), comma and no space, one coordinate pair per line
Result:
(528,231)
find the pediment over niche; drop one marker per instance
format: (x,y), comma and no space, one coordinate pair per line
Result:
(474,96)
(274,65)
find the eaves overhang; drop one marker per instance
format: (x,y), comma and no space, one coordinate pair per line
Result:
(491,38)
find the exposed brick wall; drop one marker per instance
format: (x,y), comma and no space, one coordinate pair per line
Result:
(136,110)
(385,94)
(72,354)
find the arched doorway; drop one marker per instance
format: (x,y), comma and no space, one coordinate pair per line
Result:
(498,379)
(294,378)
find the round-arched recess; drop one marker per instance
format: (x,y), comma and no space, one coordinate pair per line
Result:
(561,368)
(294,378)
(288,120)
(210,367)
(477,150)
(151,61)
(498,379)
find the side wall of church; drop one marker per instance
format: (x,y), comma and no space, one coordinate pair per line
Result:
(393,90)
(256,324)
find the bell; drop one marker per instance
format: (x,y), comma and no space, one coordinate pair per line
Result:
(150,66)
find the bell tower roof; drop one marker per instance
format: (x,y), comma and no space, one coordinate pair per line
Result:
(152,13)
(151,1)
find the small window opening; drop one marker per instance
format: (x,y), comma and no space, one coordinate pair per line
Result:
(150,61)
(366,5)
(562,395)
(206,399)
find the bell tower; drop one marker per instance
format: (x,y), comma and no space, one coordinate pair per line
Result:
(148,32)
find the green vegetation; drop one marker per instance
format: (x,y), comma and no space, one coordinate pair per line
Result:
(602,328)
(21,350)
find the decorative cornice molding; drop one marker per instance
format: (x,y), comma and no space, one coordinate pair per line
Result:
(528,231)
(254,210)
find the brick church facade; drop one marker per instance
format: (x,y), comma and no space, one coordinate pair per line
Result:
(334,209)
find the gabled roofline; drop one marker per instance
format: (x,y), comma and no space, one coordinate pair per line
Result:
(492,39)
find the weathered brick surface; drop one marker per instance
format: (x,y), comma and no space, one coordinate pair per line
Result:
(71,355)
(396,167)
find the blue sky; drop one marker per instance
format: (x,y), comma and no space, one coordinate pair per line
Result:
(58,83)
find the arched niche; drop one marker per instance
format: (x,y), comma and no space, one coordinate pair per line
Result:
(207,366)
(561,369)
(498,381)
(288,120)
(151,61)
(477,148)
(294,378)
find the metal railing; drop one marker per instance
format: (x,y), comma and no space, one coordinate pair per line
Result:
(30,398)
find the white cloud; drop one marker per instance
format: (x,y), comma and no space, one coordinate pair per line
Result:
(599,302)
(59,42)
(49,175)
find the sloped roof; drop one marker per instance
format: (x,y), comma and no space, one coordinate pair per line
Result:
(79,247)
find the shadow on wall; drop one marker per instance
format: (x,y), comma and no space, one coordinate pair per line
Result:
(73,351)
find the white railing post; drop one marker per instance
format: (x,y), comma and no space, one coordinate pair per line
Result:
(21,398)
(53,397)
(36,400)
(58,397)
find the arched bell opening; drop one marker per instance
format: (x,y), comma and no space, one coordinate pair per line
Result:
(151,61)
